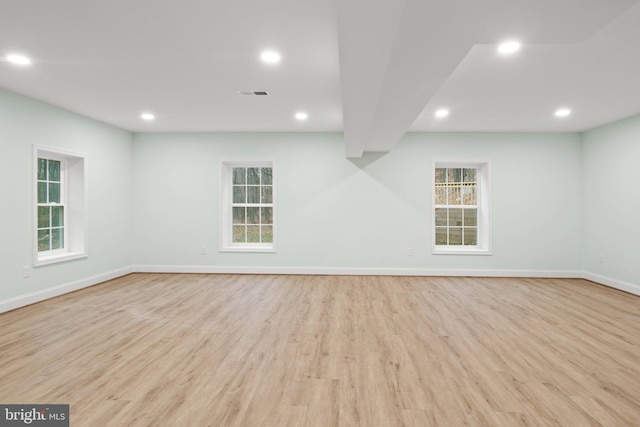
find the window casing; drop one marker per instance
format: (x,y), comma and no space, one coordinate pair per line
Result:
(247,217)
(461,208)
(60,206)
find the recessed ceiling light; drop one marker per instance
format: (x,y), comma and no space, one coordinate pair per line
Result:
(253,93)
(442,113)
(562,112)
(270,56)
(509,47)
(147,116)
(18,59)
(302,116)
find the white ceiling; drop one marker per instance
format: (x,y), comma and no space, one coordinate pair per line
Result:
(373,69)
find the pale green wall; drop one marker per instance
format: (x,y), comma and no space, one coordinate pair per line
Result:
(559,200)
(611,156)
(25,122)
(333,212)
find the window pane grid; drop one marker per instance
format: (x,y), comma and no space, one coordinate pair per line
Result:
(456,210)
(252,205)
(50,227)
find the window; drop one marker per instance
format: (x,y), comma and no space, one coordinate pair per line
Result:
(60,206)
(51,205)
(247,207)
(461,208)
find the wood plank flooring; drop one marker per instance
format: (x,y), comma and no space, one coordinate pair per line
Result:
(232,350)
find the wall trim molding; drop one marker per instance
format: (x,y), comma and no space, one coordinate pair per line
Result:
(44,294)
(37,296)
(612,283)
(355,271)
(423,272)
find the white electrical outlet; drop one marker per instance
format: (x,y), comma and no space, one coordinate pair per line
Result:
(26,271)
(410,252)
(601,258)
(203,250)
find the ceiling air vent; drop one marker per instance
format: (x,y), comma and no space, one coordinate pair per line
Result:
(253,93)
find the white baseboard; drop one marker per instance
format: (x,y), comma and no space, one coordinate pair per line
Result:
(353,271)
(37,296)
(423,272)
(612,283)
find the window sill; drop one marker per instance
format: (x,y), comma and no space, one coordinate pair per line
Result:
(52,259)
(248,248)
(443,250)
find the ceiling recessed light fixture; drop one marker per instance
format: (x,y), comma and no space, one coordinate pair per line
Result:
(442,113)
(270,56)
(509,47)
(253,93)
(17,59)
(301,116)
(147,117)
(562,112)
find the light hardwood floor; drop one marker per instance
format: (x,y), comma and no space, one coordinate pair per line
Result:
(231,350)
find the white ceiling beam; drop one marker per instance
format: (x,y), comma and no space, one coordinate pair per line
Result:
(366,34)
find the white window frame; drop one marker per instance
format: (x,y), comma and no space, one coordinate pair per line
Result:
(484,203)
(226,243)
(73,171)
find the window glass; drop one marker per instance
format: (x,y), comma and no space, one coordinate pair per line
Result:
(469,175)
(253,234)
(470,236)
(266,233)
(457,207)
(44,243)
(50,205)
(253,194)
(253,176)
(239,194)
(42,192)
(470,217)
(266,216)
(239,233)
(469,195)
(250,221)
(42,169)
(239,176)
(267,194)
(54,192)
(455,236)
(267,176)
(57,238)
(54,170)
(253,215)
(454,195)
(441,236)
(239,215)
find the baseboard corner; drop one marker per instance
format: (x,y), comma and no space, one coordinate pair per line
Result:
(54,291)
